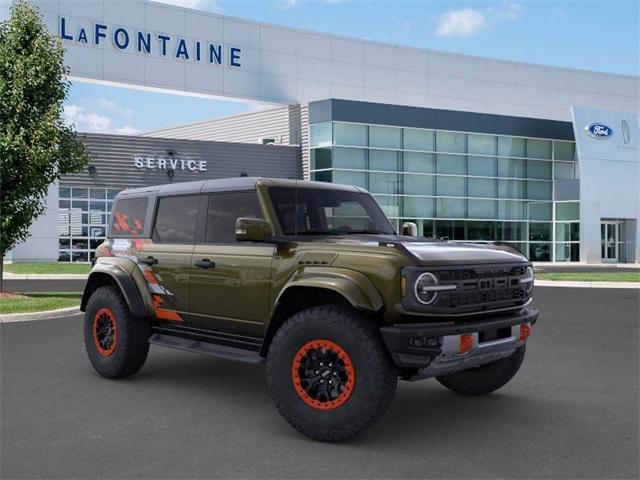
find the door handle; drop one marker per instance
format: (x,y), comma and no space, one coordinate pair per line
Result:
(204,263)
(148,260)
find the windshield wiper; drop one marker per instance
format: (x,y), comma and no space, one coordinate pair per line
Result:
(362,232)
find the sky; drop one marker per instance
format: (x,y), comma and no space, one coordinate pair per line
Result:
(600,35)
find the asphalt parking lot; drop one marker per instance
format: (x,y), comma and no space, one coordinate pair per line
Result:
(571,412)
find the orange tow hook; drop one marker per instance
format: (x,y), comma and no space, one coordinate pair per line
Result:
(525,332)
(466,343)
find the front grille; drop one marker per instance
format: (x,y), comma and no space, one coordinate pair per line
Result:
(483,288)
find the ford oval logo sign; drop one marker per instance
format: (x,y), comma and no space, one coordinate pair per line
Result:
(599,131)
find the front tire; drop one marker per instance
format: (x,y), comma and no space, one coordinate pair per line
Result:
(329,374)
(487,378)
(116,343)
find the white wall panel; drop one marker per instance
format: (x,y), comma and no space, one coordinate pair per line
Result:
(241,33)
(277,40)
(411,59)
(204,27)
(347,50)
(124,12)
(312,45)
(379,77)
(310,68)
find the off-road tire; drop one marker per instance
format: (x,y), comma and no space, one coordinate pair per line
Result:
(132,335)
(375,375)
(487,378)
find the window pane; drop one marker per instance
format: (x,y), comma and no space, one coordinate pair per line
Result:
(176,219)
(538,148)
(129,216)
(539,232)
(383,183)
(80,204)
(485,166)
(418,139)
(481,230)
(483,187)
(451,142)
(451,229)
(511,189)
(320,158)
(511,167)
(350,158)
(64,204)
(564,150)
(453,186)
(567,211)
(511,210)
(453,164)
(320,134)
(346,134)
(565,171)
(451,208)
(511,231)
(418,184)
(540,252)
(390,205)
(111,194)
(483,209)
(539,169)
(223,211)
(383,160)
(483,144)
(419,162)
(385,137)
(98,193)
(79,192)
(540,211)
(325,176)
(511,147)
(64,192)
(351,178)
(418,207)
(567,232)
(539,190)
(567,252)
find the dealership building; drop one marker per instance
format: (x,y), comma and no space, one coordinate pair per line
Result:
(471,149)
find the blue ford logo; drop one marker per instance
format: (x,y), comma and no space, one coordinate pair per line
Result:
(599,131)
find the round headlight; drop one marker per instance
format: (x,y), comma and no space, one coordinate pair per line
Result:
(424,288)
(527,280)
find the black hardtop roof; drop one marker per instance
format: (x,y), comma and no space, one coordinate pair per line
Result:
(228,184)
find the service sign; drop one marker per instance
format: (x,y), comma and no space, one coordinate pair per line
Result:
(171,163)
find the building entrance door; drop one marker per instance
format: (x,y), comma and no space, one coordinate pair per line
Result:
(609,232)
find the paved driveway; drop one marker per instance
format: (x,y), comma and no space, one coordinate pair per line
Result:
(571,412)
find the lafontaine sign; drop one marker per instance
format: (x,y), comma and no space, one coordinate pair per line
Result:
(162,45)
(159,163)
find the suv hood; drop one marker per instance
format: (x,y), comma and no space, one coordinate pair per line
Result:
(438,252)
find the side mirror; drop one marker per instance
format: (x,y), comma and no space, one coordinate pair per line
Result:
(252,229)
(410,229)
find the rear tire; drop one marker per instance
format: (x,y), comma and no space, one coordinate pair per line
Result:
(116,343)
(487,378)
(355,378)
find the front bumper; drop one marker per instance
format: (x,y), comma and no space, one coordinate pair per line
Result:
(433,349)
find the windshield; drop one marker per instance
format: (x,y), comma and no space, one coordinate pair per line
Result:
(318,211)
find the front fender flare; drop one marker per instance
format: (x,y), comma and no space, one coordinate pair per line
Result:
(354,286)
(122,276)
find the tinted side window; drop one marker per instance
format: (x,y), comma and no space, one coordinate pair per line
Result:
(224,210)
(176,219)
(128,216)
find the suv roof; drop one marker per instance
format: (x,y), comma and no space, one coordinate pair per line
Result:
(230,184)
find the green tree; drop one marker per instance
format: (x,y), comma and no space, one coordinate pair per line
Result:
(36,147)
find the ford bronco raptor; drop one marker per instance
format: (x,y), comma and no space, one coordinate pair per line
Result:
(311,279)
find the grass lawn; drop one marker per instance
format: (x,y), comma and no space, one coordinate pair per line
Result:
(590,276)
(39,302)
(48,268)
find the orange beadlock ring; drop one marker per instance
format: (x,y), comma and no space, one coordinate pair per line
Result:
(105,341)
(349,372)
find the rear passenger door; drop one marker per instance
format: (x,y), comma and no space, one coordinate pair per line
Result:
(166,261)
(232,291)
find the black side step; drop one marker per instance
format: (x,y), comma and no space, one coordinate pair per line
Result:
(206,348)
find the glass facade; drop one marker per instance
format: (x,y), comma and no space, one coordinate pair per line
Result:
(83,216)
(463,186)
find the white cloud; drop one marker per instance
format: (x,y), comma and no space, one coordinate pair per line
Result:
(286,4)
(208,5)
(86,120)
(467,22)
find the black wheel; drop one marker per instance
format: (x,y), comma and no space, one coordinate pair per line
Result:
(116,343)
(329,373)
(487,378)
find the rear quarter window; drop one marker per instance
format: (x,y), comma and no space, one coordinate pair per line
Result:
(129,216)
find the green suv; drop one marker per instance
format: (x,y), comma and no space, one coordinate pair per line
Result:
(311,279)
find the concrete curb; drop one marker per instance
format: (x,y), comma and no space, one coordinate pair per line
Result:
(44,276)
(553,283)
(28,316)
